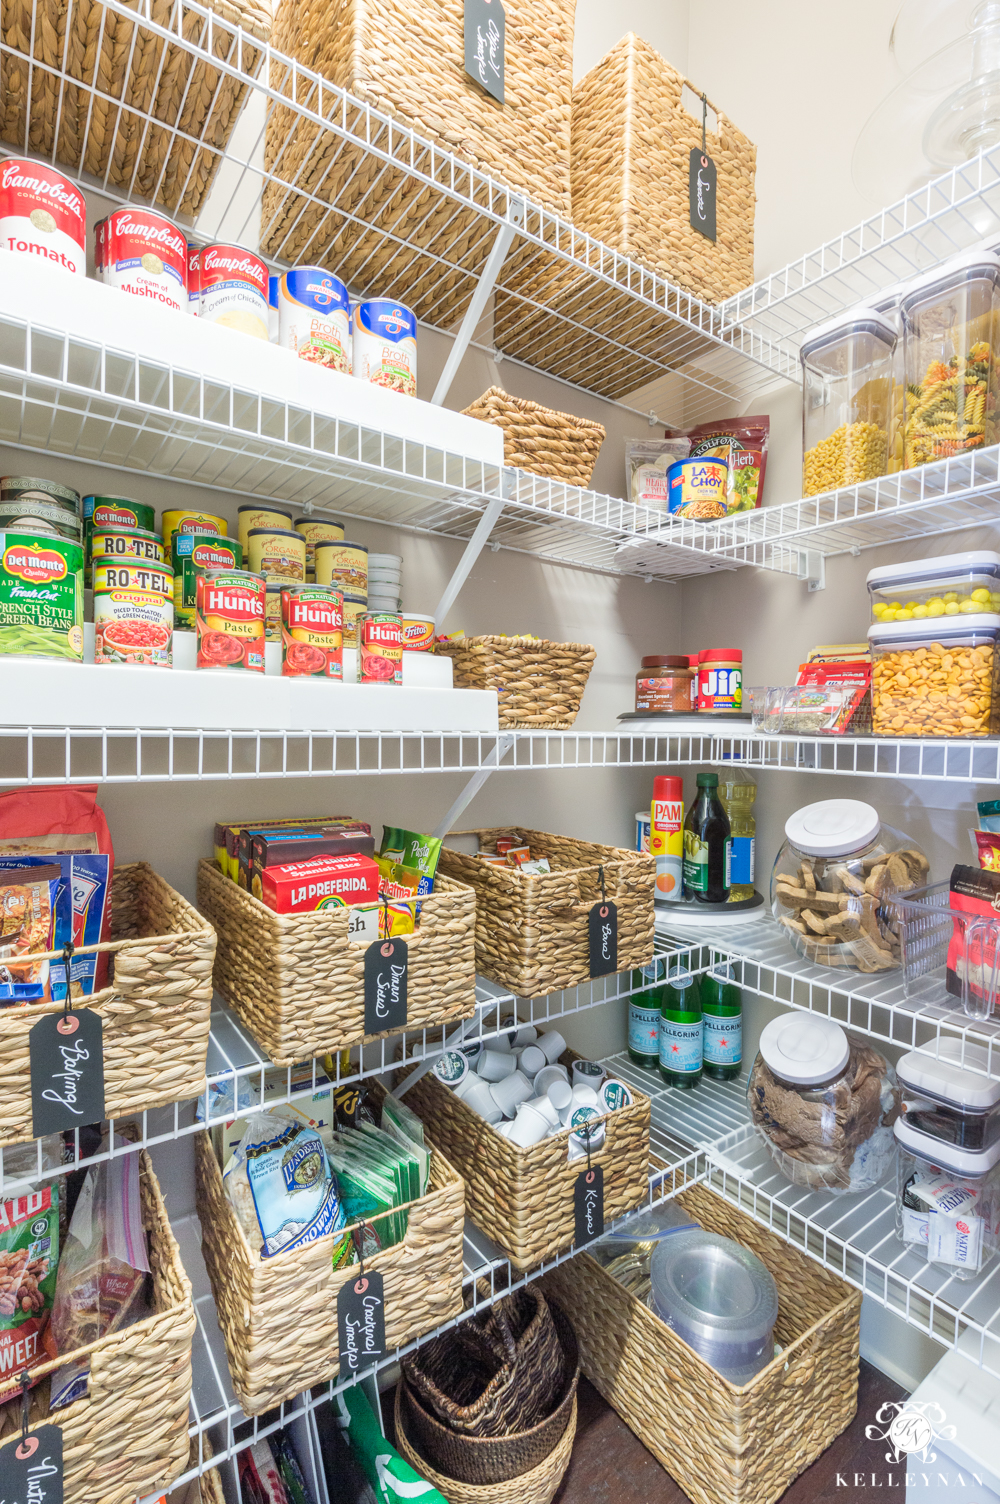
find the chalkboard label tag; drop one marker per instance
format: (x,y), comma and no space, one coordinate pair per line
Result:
(701,193)
(361,1323)
(31,1471)
(603,926)
(485,42)
(385,986)
(67,1072)
(588,1205)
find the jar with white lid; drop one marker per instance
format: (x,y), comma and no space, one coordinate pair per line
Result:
(888,305)
(947,1201)
(936,678)
(823,1105)
(950,338)
(940,588)
(948,1095)
(846,400)
(831,881)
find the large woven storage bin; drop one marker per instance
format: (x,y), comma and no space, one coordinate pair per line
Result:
(128,73)
(523,1198)
(279,1315)
(128,1436)
(539,684)
(632,140)
(532,933)
(298,983)
(722,1444)
(540,439)
(155,1012)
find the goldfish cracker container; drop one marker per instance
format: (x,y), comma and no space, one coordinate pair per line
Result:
(936,678)
(42,214)
(232,290)
(847,367)
(951,343)
(385,345)
(314,317)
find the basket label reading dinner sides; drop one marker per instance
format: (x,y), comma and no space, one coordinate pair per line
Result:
(31,1471)
(385,986)
(588,1205)
(485,40)
(603,937)
(67,1072)
(361,1323)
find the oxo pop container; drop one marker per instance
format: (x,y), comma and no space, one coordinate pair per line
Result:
(954,1100)
(888,305)
(936,678)
(951,341)
(947,1200)
(947,586)
(846,400)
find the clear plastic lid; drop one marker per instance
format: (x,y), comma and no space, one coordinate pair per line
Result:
(713,1289)
(832,827)
(949,1072)
(937,571)
(824,341)
(934,629)
(970,266)
(968,1163)
(803,1049)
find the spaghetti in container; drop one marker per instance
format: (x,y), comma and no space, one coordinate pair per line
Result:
(229,620)
(312,632)
(380,645)
(133,613)
(314,317)
(385,345)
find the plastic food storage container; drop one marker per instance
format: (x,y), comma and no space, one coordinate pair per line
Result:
(823,1105)
(935,678)
(846,399)
(947,1200)
(719,1298)
(954,1100)
(950,343)
(831,878)
(926,589)
(888,305)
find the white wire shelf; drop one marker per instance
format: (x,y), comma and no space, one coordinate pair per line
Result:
(393,213)
(932,759)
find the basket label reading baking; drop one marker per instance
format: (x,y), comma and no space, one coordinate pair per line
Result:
(588,1205)
(31,1471)
(701,193)
(603,934)
(67,1073)
(385,986)
(361,1323)
(485,39)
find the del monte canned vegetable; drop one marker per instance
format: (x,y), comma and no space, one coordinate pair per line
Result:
(41,596)
(113,511)
(191,522)
(312,618)
(133,613)
(229,616)
(193,554)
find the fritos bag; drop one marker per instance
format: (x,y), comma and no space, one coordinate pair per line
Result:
(742,443)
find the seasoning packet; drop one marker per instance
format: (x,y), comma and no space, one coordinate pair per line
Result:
(281,1187)
(29,1254)
(413,852)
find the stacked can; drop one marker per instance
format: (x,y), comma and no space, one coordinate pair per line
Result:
(344,565)
(317,530)
(276,551)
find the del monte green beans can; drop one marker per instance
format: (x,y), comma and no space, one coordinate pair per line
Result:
(41,596)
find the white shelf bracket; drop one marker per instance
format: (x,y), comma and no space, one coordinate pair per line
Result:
(491,762)
(463,569)
(812,569)
(474,312)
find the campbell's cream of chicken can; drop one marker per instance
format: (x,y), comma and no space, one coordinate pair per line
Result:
(233,288)
(142,253)
(42,214)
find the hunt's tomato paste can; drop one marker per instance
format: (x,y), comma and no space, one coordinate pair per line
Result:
(42,214)
(312,632)
(144,254)
(232,289)
(380,641)
(229,619)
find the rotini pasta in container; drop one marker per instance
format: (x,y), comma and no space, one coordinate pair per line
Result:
(846,400)
(952,341)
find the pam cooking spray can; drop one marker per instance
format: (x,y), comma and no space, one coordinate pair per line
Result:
(666,837)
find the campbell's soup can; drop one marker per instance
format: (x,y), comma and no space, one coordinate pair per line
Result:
(312,632)
(385,345)
(42,214)
(193,279)
(418,632)
(316,531)
(277,553)
(146,255)
(380,645)
(232,289)
(229,619)
(133,613)
(255,514)
(314,317)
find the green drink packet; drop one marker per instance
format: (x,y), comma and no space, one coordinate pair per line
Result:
(416,853)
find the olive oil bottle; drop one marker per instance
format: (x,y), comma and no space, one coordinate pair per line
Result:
(707,845)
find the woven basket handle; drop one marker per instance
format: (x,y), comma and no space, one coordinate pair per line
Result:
(802,1368)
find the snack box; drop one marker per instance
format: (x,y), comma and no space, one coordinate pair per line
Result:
(245,865)
(227,836)
(269,848)
(324,882)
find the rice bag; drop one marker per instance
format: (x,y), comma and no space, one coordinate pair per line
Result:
(281,1187)
(29,1254)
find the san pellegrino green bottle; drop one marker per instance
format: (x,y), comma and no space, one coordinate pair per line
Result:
(722,1009)
(644,1016)
(680,1029)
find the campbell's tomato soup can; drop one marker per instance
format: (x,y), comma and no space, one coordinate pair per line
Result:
(232,289)
(146,255)
(380,643)
(229,619)
(385,345)
(42,214)
(417,633)
(312,632)
(277,553)
(314,317)
(193,279)
(133,613)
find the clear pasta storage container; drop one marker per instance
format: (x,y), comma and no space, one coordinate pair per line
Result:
(935,678)
(947,1200)
(846,399)
(950,340)
(888,305)
(925,589)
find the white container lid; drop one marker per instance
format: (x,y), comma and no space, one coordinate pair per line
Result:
(804,1049)
(951,271)
(385,561)
(833,827)
(970,1162)
(937,1070)
(981,561)
(860,320)
(935,628)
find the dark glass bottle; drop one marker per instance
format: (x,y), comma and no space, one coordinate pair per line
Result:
(707,845)
(681,1030)
(644,1016)
(722,1007)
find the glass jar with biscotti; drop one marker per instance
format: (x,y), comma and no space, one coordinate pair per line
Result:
(936,678)
(846,400)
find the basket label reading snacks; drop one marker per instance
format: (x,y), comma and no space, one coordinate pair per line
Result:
(29,1253)
(361,1322)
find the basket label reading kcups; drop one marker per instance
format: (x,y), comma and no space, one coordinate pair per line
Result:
(385,986)
(603,936)
(31,1471)
(67,1072)
(588,1205)
(361,1323)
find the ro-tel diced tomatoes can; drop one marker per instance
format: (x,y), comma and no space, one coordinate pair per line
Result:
(233,289)
(312,632)
(133,613)
(144,254)
(125,545)
(666,837)
(229,617)
(418,632)
(385,345)
(380,641)
(314,317)
(192,554)
(42,214)
(720,681)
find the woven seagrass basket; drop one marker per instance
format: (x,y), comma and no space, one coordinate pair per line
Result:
(723,1444)
(279,1315)
(540,439)
(532,933)
(523,1198)
(539,684)
(632,141)
(128,1436)
(538,1486)
(297,982)
(127,73)
(155,1012)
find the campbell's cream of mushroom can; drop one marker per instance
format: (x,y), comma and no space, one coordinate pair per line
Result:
(233,288)
(42,214)
(145,255)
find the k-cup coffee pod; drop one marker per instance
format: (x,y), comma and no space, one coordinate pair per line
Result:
(509,1093)
(479,1097)
(494,1065)
(552,1045)
(560,1094)
(502,1043)
(580,1118)
(472,1052)
(551,1073)
(532,1060)
(529,1127)
(526,1034)
(451,1068)
(614,1094)
(584,1096)
(588,1073)
(549,1113)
